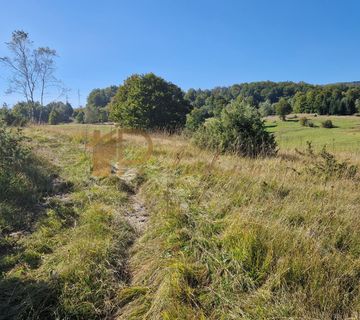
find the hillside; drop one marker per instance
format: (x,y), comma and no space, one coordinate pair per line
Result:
(186,235)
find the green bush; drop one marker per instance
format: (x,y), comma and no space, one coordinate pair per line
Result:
(266,108)
(303,121)
(196,118)
(310,124)
(54,117)
(11,118)
(326,165)
(239,129)
(80,117)
(327,124)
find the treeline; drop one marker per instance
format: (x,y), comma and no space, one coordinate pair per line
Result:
(225,118)
(23,112)
(97,106)
(336,99)
(266,97)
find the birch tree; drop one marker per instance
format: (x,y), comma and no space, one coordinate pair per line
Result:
(32,70)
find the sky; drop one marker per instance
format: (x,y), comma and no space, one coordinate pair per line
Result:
(192,43)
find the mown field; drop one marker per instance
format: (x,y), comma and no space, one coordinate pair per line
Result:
(189,234)
(344,137)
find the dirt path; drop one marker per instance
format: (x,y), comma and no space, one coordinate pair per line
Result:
(136,213)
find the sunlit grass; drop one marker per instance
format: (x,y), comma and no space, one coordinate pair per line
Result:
(344,137)
(228,237)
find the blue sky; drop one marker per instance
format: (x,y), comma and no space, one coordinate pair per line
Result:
(192,43)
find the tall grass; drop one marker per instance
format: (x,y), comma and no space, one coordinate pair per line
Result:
(245,239)
(73,261)
(228,238)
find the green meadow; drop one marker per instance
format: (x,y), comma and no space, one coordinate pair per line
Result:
(345,136)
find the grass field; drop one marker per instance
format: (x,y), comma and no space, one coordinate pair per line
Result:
(344,137)
(226,238)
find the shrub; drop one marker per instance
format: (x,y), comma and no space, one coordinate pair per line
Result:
(196,118)
(10,118)
(266,108)
(310,124)
(303,121)
(80,117)
(54,117)
(239,129)
(327,124)
(325,165)
(283,108)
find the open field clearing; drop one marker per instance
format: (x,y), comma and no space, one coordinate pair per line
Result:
(344,137)
(190,235)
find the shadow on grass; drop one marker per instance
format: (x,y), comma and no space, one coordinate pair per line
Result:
(271,125)
(25,299)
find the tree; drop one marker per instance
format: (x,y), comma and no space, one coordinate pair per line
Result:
(54,117)
(24,66)
(6,116)
(100,98)
(62,111)
(91,114)
(80,116)
(266,108)
(32,70)
(357,105)
(97,102)
(196,118)
(46,65)
(283,108)
(149,102)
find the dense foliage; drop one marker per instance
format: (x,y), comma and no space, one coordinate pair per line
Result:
(79,115)
(327,124)
(59,112)
(334,99)
(283,108)
(149,102)
(23,112)
(97,105)
(10,118)
(238,129)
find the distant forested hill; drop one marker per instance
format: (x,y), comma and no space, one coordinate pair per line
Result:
(339,98)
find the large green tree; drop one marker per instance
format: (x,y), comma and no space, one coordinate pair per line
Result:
(99,98)
(149,102)
(97,104)
(59,112)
